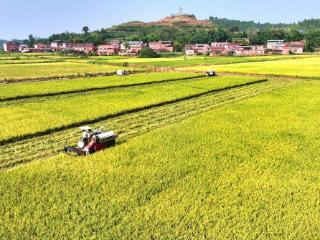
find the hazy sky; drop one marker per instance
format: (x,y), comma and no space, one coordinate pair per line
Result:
(18,18)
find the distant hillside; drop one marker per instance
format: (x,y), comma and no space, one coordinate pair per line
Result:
(163,29)
(245,26)
(182,29)
(174,20)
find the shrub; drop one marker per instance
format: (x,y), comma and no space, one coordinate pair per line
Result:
(148,53)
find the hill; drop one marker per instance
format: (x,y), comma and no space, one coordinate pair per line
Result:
(174,20)
(183,29)
(244,26)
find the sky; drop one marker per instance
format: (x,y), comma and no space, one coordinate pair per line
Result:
(19,18)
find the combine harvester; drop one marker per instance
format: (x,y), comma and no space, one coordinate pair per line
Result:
(92,141)
(211,73)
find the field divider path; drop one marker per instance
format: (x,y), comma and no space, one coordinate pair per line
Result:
(5,100)
(131,124)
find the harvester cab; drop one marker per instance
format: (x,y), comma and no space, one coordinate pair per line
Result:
(211,73)
(92,141)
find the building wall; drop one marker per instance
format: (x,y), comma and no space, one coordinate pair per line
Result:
(10,47)
(161,46)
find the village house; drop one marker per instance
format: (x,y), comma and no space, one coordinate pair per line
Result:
(11,47)
(294,47)
(84,48)
(66,45)
(57,44)
(222,48)
(281,47)
(197,49)
(41,46)
(112,48)
(131,47)
(254,50)
(275,46)
(161,46)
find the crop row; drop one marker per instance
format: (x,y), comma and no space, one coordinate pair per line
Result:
(51,113)
(52,88)
(131,125)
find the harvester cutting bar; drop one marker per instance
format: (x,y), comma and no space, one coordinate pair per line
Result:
(76,150)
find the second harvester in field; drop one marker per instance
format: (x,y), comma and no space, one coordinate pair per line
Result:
(211,73)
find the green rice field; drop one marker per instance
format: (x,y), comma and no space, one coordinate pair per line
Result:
(304,67)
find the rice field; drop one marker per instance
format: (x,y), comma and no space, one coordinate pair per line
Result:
(11,91)
(304,67)
(236,172)
(64,110)
(32,71)
(192,61)
(230,157)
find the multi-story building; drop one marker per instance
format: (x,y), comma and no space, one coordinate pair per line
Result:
(197,49)
(250,50)
(275,45)
(11,47)
(84,48)
(131,47)
(222,48)
(57,44)
(161,46)
(112,48)
(294,47)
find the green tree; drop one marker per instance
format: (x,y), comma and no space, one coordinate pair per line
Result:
(148,53)
(31,41)
(312,40)
(85,29)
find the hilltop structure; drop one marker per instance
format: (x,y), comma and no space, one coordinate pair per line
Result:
(174,19)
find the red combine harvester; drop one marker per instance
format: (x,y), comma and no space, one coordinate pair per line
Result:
(92,141)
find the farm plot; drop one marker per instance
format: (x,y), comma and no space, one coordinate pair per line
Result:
(193,61)
(43,114)
(46,70)
(23,90)
(131,125)
(246,171)
(304,67)
(30,61)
